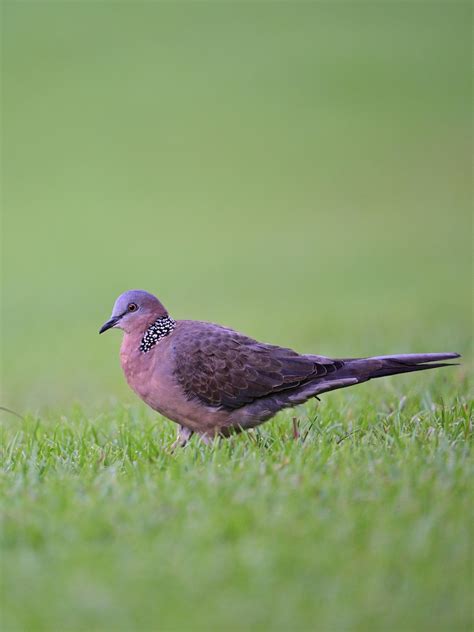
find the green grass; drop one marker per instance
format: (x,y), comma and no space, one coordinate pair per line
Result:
(297,171)
(362,523)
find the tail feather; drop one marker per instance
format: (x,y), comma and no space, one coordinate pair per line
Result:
(416,358)
(382,366)
(350,372)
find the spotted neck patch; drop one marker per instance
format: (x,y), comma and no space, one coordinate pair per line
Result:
(158,330)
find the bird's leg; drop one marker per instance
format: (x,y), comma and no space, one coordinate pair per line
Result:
(184,435)
(207,439)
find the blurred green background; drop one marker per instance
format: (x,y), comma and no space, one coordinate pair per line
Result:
(298,171)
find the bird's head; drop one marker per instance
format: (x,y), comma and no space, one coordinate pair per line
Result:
(134,310)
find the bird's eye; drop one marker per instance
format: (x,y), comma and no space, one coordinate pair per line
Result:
(132,307)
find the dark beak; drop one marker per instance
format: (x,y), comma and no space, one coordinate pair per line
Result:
(110,323)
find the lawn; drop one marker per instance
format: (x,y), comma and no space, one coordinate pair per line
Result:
(297,171)
(361,523)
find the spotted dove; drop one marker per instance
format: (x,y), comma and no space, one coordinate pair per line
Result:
(212,380)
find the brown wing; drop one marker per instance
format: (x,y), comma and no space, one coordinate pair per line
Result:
(224,368)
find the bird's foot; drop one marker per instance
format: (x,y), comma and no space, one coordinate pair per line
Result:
(184,435)
(208,439)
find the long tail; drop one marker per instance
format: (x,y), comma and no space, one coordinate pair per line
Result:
(381,366)
(357,370)
(350,372)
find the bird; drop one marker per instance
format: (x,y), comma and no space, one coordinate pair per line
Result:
(214,381)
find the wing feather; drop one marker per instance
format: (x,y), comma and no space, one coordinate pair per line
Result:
(221,367)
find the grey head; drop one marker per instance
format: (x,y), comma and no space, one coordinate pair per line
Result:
(134,311)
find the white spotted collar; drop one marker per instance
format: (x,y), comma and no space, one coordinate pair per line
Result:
(158,330)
